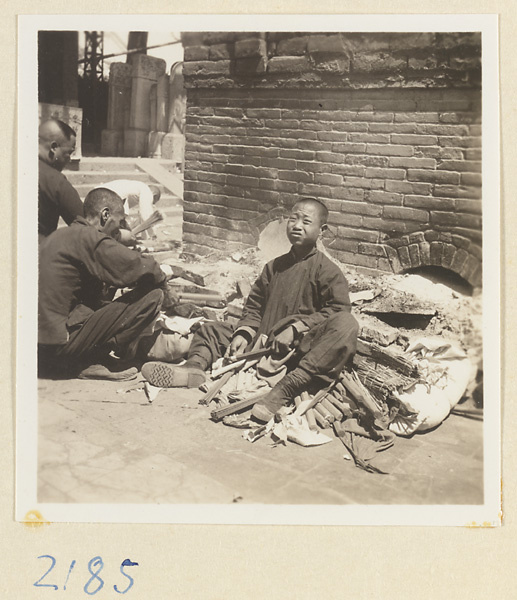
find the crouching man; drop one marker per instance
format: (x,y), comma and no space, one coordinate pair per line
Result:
(77,326)
(300,301)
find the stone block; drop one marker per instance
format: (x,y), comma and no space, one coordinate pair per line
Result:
(112,142)
(403,254)
(221,52)
(326,44)
(288,64)
(436,253)
(251,66)
(194,53)
(425,253)
(448,255)
(148,67)
(376,62)
(414,255)
(393,257)
(250,48)
(295,46)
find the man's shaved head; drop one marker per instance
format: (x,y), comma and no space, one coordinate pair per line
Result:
(54,128)
(56,143)
(322,210)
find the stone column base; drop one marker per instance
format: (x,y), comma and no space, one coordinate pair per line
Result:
(112,142)
(173,147)
(154,144)
(135,142)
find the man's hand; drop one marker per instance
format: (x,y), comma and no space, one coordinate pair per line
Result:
(127,238)
(237,346)
(282,341)
(170,299)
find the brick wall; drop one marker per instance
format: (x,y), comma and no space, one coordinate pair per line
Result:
(384,128)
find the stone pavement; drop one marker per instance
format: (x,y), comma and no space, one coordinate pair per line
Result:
(103,442)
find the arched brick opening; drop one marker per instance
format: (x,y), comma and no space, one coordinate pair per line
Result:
(258,224)
(432,248)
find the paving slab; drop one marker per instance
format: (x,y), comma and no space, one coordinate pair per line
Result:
(103,442)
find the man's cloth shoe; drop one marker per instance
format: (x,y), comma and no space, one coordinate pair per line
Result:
(165,375)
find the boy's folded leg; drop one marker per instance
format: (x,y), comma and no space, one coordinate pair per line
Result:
(165,375)
(284,391)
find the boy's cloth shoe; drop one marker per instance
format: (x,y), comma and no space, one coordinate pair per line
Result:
(103,373)
(165,375)
(283,392)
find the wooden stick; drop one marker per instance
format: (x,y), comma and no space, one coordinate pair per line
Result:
(149,222)
(337,414)
(235,407)
(311,420)
(215,389)
(321,421)
(308,403)
(324,413)
(341,406)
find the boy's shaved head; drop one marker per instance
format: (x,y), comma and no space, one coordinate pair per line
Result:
(323,212)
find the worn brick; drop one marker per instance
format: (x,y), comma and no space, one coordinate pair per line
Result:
(440,153)
(326,44)
(459,260)
(403,254)
(385,173)
(411,162)
(346,193)
(370,138)
(436,253)
(357,234)
(383,197)
(298,154)
(346,245)
(403,212)
(425,252)
(414,255)
(360,208)
(416,117)
(248,48)
(328,179)
(314,189)
(469,206)
(378,61)
(373,116)
(432,176)
(391,227)
(345,148)
(346,219)
(295,46)
(360,182)
(392,127)
(393,258)
(298,176)
(221,52)
(471,179)
(358,127)
(314,145)
(429,202)
(315,167)
(372,249)
(277,185)
(330,157)
(367,160)
(353,170)
(288,64)
(458,117)
(460,165)
(194,53)
(407,187)
(389,150)
(204,68)
(332,136)
(457,191)
(444,218)
(449,250)
(414,140)
(439,129)
(460,142)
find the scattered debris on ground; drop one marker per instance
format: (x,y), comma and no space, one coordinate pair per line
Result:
(419,350)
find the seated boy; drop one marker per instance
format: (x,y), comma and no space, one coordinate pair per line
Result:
(300,300)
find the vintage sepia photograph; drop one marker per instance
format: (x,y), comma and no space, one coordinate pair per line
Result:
(259,285)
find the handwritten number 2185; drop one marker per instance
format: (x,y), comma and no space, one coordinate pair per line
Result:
(95,582)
